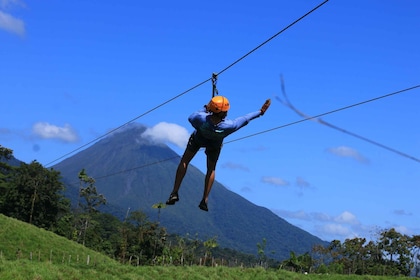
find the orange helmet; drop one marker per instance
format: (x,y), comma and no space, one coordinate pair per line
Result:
(218,104)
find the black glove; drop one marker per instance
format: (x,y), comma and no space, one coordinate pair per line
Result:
(265,106)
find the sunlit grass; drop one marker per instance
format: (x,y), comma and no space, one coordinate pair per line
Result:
(27,252)
(31,270)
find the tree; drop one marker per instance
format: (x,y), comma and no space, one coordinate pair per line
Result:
(209,244)
(261,251)
(34,195)
(141,238)
(5,154)
(396,249)
(91,200)
(302,263)
(354,255)
(375,262)
(88,191)
(416,254)
(393,254)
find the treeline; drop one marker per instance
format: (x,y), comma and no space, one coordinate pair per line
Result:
(391,254)
(34,194)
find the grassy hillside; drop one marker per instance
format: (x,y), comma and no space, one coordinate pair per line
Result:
(45,271)
(27,252)
(19,240)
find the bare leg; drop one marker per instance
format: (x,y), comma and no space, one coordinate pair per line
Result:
(208,183)
(182,169)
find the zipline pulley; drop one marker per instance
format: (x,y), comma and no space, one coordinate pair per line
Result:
(214,82)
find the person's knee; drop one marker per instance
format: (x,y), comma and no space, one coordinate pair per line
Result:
(183,164)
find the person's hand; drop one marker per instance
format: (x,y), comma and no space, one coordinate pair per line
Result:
(265,106)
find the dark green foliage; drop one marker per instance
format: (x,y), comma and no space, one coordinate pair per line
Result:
(302,263)
(142,240)
(392,254)
(6,157)
(33,194)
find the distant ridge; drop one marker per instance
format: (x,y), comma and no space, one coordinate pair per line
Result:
(12,161)
(237,223)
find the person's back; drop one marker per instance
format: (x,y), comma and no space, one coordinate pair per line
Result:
(211,127)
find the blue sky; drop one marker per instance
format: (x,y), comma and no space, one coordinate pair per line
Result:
(73,70)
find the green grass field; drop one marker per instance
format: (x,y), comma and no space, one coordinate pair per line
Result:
(25,269)
(27,252)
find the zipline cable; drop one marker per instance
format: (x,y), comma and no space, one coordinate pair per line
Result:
(128,122)
(190,89)
(279,127)
(288,104)
(327,113)
(272,37)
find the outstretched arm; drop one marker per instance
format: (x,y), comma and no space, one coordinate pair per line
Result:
(244,120)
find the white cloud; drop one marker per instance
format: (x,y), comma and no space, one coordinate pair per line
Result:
(401,212)
(8,3)
(50,131)
(302,183)
(334,230)
(246,189)
(327,227)
(344,151)
(5,131)
(236,166)
(346,218)
(321,217)
(299,215)
(340,227)
(274,181)
(168,132)
(11,24)
(7,21)
(403,230)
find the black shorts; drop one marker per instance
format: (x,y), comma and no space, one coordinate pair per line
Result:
(212,149)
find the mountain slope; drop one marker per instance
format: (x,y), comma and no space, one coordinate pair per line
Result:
(134,174)
(12,161)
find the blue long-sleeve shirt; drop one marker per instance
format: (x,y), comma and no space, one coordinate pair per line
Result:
(213,134)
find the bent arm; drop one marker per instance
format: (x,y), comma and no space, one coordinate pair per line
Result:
(197,118)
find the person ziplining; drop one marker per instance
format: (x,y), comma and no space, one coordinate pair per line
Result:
(211,127)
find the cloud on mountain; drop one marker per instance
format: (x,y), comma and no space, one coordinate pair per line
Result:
(165,132)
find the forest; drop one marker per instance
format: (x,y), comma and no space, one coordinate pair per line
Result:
(34,194)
